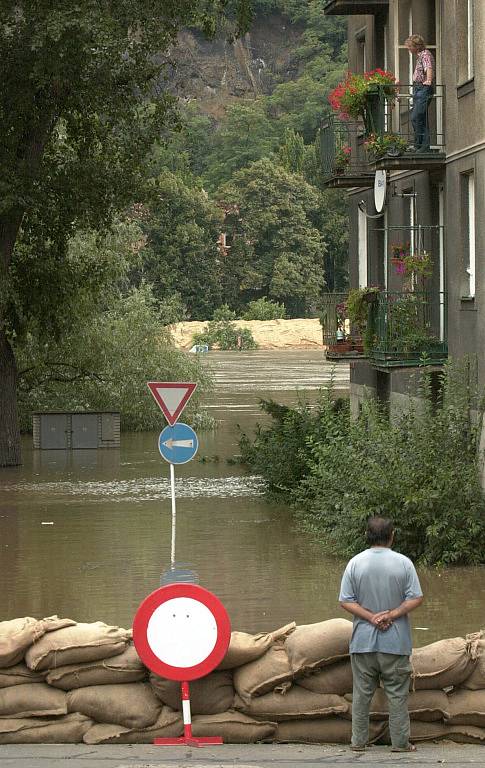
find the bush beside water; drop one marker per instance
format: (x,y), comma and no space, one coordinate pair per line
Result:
(421,469)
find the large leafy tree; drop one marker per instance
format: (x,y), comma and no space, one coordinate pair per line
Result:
(182,255)
(82,99)
(277,248)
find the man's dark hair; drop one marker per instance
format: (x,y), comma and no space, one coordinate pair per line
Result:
(379,531)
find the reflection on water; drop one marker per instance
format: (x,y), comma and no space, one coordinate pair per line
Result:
(108,538)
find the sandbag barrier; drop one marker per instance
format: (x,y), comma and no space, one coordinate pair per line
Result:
(63,681)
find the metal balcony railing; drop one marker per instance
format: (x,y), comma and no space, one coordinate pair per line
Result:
(389,123)
(342,154)
(407,328)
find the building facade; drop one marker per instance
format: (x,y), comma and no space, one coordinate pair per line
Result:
(434,203)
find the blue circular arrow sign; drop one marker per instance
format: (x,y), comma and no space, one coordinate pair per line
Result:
(178,444)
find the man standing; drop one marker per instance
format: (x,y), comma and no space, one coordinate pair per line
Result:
(380,588)
(423,91)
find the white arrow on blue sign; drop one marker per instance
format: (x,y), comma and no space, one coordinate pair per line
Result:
(178,444)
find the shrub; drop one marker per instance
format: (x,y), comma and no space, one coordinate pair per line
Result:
(264,309)
(421,469)
(282,451)
(225,335)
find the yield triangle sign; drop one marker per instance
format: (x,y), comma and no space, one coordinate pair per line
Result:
(171,397)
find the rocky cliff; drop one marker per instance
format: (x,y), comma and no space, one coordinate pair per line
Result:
(217,72)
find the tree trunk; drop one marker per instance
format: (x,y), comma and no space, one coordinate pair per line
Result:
(10,454)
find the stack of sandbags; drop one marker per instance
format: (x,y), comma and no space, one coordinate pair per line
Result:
(64,682)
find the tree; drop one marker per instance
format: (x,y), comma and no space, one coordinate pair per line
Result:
(278,250)
(82,100)
(182,256)
(111,355)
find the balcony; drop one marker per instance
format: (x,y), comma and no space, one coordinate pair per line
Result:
(390,134)
(407,329)
(343,160)
(351,7)
(342,341)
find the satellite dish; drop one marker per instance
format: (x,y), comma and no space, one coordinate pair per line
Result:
(380,190)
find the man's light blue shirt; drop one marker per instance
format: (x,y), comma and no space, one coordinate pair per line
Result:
(379,579)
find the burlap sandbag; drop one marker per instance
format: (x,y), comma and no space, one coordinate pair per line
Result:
(126,667)
(427,706)
(76,644)
(133,705)
(316,645)
(233,727)
(476,681)
(466,707)
(336,678)
(169,724)
(208,696)
(20,674)
(297,703)
(69,729)
(463,734)
(32,700)
(325,730)
(444,663)
(18,634)
(244,648)
(264,674)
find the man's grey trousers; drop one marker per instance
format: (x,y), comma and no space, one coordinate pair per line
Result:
(394,672)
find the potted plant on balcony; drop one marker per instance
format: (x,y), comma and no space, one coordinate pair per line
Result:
(359,304)
(416,265)
(359,96)
(343,155)
(390,144)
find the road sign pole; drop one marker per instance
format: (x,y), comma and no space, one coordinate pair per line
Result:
(174,514)
(188,739)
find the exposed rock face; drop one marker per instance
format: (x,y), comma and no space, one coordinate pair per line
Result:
(216,72)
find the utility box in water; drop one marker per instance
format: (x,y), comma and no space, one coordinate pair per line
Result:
(63,430)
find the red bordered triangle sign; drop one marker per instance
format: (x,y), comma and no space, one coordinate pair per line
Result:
(171,397)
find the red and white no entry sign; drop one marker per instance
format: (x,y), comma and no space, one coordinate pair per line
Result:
(181,631)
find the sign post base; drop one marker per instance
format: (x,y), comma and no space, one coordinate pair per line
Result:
(189,741)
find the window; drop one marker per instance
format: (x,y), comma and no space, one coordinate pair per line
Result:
(470,39)
(468,230)
(361,51)
(465,23)
(362,234)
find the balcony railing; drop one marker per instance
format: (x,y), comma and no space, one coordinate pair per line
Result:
(407,329)
(341,339)
(343,159)
(391,140)
(348,7)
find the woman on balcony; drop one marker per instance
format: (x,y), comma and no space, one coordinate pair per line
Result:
(423,91)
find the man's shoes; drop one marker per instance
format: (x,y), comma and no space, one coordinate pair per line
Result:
(410,748)
(357,748)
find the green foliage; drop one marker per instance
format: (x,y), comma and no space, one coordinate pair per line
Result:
(264,309)
(281,452)
(224,312)
(278,250)
(421,469)
(225,335)
(181,225)
(104,364)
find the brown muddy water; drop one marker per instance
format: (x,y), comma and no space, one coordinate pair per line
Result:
(108,514)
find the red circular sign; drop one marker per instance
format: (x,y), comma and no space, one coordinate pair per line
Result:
(181,632)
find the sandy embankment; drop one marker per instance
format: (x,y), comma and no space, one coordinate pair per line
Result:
(268,334)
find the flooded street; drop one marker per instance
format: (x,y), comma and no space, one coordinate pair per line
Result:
(86,534)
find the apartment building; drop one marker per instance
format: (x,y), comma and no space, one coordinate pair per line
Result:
(427,205)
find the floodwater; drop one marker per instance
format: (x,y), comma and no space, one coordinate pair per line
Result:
(87,534)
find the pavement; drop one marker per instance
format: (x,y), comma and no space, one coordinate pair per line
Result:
(234,756)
